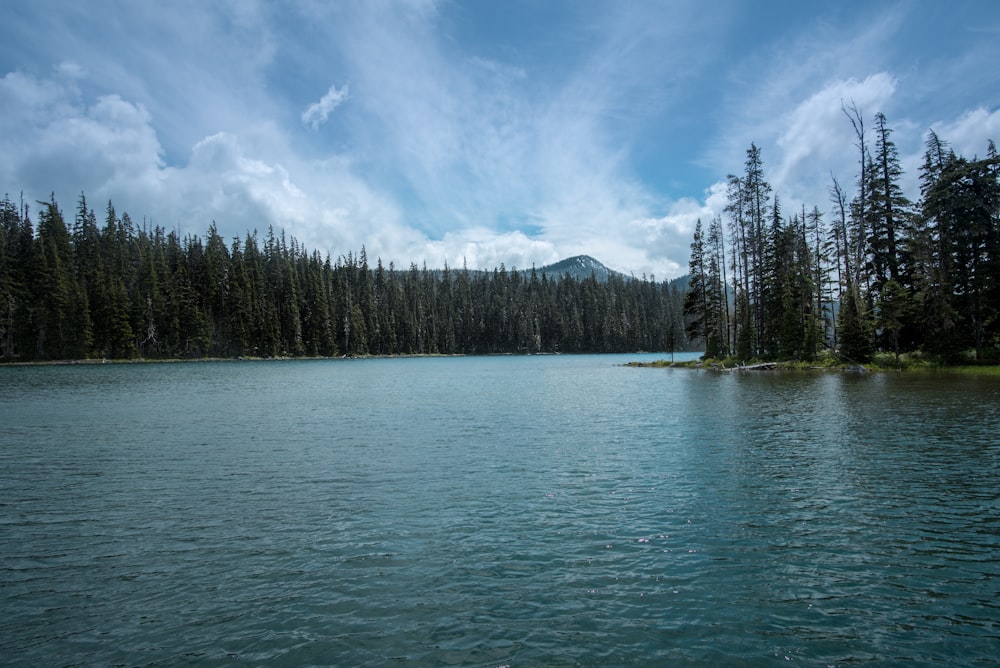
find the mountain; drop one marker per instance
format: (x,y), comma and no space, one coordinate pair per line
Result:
(579,268)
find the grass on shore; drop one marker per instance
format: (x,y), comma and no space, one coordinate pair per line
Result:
(917,362)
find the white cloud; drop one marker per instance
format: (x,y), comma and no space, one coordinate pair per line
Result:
(52,142)
(785,96)
(317,113)
(109,149)
(969,134)
(480,247)
(71,70)
(817,131)
(28,100)
(666,239)
(480,143)
(501,149)
(321,203)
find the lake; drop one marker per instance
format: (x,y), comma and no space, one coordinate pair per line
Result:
(495,511)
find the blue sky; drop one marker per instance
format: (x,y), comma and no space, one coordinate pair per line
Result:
(475,132)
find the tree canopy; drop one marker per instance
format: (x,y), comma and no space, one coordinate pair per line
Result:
(884,274)
(81,289)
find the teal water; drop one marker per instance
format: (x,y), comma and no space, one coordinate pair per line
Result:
(503,511)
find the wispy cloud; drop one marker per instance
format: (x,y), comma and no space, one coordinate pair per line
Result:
(817,137)
(317,113)
(465,134)
(967,134)
(787,97)
(542,147)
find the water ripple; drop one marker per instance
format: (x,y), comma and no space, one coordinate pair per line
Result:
(523,511)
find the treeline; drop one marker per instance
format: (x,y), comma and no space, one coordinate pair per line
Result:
(881,275)
(112,290)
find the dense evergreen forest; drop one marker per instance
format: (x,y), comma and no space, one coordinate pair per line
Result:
(90,290)
(883,275)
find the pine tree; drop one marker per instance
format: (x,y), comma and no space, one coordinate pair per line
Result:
(961,210)
(115,337)
(717,287)
(16,241)
(889,225)
(696,303)
(62,324)
(854,332)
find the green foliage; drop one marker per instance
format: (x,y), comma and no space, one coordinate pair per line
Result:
(856,344)
(895,277)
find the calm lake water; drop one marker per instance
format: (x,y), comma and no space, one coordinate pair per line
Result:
(499,511)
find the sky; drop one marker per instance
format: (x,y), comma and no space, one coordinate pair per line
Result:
(475,132)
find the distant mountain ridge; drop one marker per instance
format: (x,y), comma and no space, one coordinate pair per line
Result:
(579,267)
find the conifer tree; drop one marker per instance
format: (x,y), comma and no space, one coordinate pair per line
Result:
(698,304)
(62,316)
(16,240)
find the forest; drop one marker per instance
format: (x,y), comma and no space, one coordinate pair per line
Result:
(115,290)
(881,277)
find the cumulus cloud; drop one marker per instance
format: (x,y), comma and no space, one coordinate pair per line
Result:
(317,113)
(481,247)
(667,238)
(53,142)
(28,100)
(243,187)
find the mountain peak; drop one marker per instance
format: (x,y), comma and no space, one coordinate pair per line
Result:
(578,267)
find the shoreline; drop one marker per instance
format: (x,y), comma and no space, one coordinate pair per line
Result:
(279,358)
(181,360)
(698,365)
(961,369)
